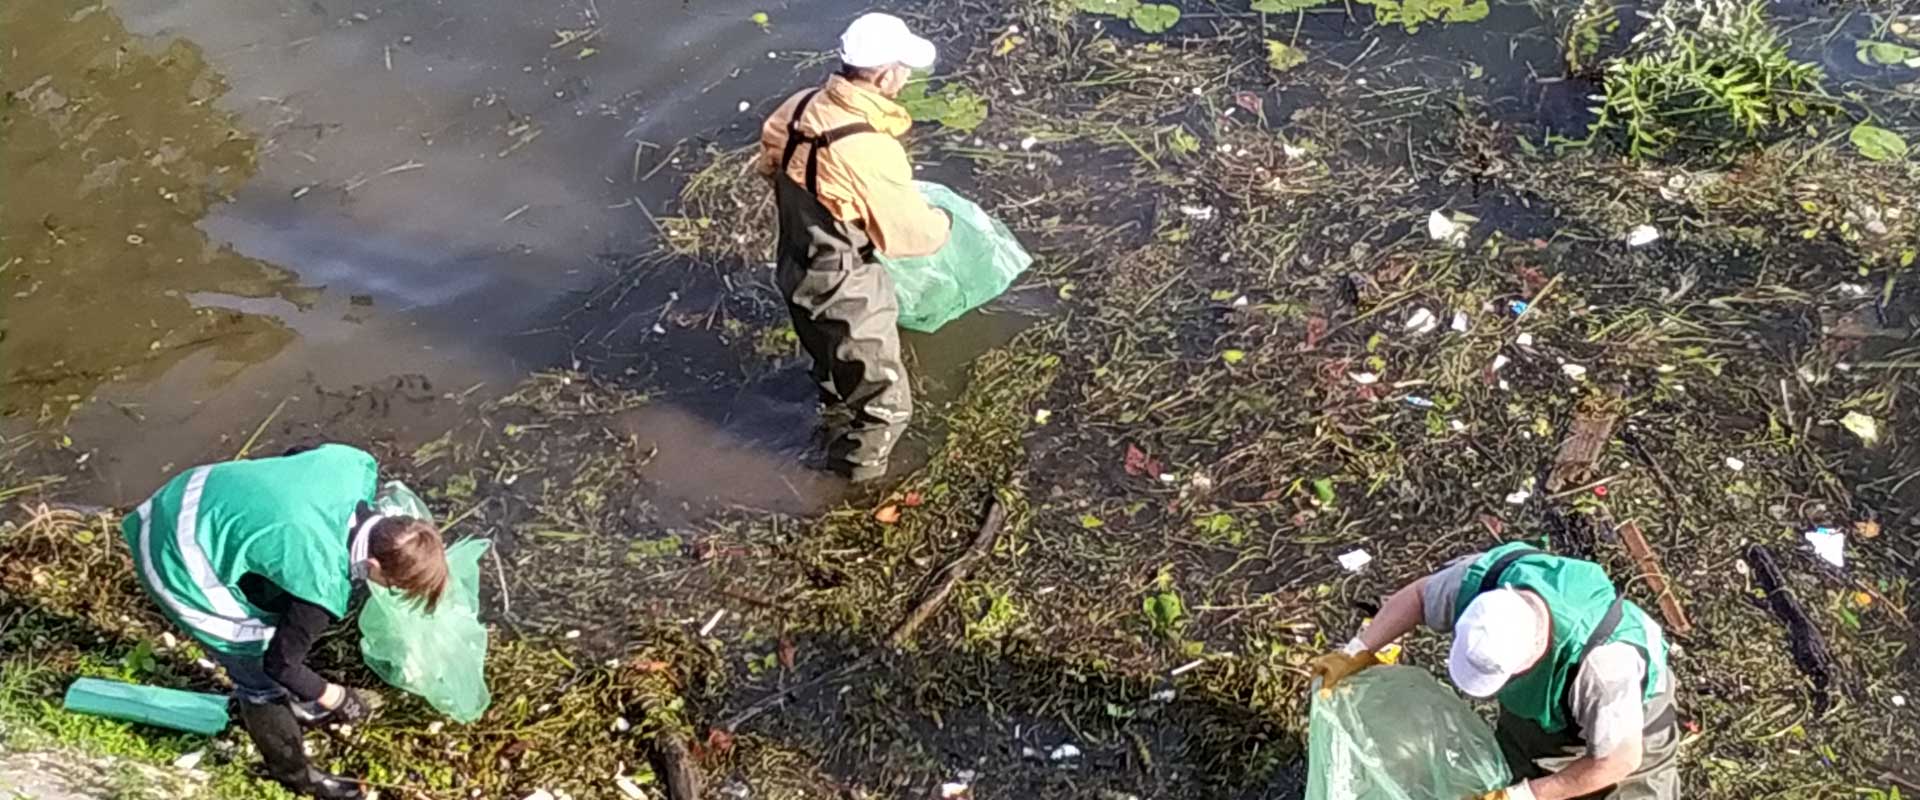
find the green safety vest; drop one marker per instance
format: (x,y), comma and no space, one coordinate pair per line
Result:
(284,519)
(1581,600)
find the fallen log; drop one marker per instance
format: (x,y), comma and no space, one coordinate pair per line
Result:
(1808,647)
(1586,442)
(672,760)
(1649,563)
(938,587)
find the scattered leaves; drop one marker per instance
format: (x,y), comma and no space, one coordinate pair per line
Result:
(1111,8)
(1886,54)
(1285,6)
(1155,17)
(1863,426)
(1137,463)
(1282,56)
(954,106)
(1323,491)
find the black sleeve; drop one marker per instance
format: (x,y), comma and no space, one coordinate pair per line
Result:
(286,659)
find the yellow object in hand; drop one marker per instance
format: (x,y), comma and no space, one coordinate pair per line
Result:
(1334,667)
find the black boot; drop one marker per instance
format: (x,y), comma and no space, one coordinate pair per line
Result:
(277,734)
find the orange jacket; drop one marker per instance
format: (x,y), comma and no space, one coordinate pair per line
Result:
(863,180)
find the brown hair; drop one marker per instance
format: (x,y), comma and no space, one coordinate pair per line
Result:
(412,558)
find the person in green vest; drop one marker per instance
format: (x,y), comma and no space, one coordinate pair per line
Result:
(1586,697)
(255,559)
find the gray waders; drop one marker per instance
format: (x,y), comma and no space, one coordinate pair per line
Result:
(844,312)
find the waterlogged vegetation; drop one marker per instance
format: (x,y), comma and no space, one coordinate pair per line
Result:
(1321,281)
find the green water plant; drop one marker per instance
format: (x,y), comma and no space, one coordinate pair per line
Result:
(1145,17)
(1722,77)
(954,105)
(1411,14)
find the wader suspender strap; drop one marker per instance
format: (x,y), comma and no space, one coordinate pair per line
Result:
(1499,567)
(815,143)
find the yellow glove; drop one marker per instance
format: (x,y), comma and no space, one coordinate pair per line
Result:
(1334,667)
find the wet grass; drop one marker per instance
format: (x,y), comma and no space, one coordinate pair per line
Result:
(1228,396)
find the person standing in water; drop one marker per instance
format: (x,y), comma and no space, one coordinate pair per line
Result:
(255,559)
(1586,694)
(844,190)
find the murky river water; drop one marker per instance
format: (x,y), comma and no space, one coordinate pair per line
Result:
(363,206)
(355,210)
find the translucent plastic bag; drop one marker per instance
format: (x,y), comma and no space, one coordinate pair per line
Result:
(440,656)
(980,260)
(1395,733)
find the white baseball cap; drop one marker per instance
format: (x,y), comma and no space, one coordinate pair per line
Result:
(1493,641)
(878,40)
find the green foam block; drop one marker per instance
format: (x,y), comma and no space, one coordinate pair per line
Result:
(193,712)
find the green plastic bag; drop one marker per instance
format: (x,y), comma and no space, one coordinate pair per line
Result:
(192,712)
(1395,733)
(440,656)
(980,260)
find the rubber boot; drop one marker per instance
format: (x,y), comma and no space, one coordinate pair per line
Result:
(276,732)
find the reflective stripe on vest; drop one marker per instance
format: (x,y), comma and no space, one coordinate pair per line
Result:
(229,620)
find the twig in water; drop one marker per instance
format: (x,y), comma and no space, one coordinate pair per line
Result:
(500,570)
(248,447)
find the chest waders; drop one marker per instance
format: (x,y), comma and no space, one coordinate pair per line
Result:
(1543,694)
(844,311)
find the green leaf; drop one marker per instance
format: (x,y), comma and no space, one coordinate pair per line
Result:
(1471,12)
(1323,491)
(1164,610)
(1111,8)
(1282,56)
(1233,356)
(1885,54)
(1090,521)
(761,19)
(1878,144)
(1155,17)
(955,106)
(1285,6)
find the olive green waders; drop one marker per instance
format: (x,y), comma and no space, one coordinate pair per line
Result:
(1534,753)
(844,312)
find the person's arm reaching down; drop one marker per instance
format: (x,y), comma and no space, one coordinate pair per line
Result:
(286,658)
(1607,699)
(896,216)
(1428,600)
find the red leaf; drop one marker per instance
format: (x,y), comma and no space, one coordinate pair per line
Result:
(1250,101)
(1316,329)
(1493,523)
(912,500)
(719,742)
(786,653)
(1137,460)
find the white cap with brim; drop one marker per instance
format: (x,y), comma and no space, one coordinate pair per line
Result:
(1493,641)
(879,40)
